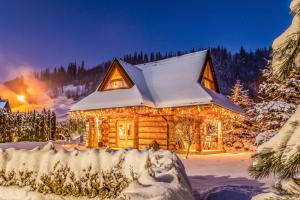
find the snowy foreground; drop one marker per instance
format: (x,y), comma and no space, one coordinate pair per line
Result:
(223,177)
(150,175)
(215,177)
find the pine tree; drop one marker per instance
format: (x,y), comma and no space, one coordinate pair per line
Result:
(240,133)
(239,95)
(280,94)
(278,101)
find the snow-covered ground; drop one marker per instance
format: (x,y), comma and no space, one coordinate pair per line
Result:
(223,176)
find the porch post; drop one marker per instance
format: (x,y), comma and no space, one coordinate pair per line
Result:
(205,134)
(220,136)
(198,139)
(96,132)
(104,131)
(86,133)
(136,131)
(91,132)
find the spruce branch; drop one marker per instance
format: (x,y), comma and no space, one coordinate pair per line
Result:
(288,53)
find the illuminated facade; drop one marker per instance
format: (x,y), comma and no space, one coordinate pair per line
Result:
(136,104)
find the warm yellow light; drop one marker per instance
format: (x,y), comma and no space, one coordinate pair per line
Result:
(21,98)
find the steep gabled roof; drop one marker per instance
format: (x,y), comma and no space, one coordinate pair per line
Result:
(136,95)
(118,70)
(4,104)
(170,82)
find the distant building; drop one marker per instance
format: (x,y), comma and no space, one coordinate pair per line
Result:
(136,104)
(4,104)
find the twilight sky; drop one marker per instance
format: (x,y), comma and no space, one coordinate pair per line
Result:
(39,33)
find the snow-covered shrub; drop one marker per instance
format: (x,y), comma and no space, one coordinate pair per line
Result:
(154,145)
(239,140)
(72,128)
(95,173)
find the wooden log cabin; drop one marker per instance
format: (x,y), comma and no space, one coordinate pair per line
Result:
(137,104)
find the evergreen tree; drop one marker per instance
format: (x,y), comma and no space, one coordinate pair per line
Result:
(280,156)
(239,95)
(278,101)
(240,133)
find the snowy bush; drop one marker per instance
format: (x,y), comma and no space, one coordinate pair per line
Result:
(239,140)
(95,173)
(71,129)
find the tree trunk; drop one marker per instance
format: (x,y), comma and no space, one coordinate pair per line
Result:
(188,150)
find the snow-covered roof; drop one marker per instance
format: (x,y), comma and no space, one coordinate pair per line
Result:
(170,82)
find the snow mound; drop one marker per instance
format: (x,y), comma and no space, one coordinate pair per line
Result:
(29,174)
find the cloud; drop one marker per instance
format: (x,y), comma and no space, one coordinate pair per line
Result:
(13,66)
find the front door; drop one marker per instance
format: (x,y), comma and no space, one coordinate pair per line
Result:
(125,133)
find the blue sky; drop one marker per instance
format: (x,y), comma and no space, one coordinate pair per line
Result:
(37,34)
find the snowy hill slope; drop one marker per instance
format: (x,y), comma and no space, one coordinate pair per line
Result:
(33,174)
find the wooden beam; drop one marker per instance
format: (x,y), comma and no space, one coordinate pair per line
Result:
(220,136)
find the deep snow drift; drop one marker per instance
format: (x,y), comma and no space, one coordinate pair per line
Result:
(158,175)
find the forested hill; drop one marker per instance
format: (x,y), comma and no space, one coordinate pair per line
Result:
(244,65)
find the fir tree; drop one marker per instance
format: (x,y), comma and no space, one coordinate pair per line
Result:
(240,133)
(239,95)
(277,102)
(280,95)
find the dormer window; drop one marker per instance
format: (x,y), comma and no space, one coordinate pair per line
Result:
(208,79)
(116,78)
(116,83)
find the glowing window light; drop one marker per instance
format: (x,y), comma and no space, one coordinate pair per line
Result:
(21,98)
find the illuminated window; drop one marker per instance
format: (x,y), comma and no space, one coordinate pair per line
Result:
(116,81)
(208,80)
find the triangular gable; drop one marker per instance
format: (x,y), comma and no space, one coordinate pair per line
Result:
(4,104)
(116,78)
(208,77)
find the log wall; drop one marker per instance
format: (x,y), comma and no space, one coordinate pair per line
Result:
(147,129)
